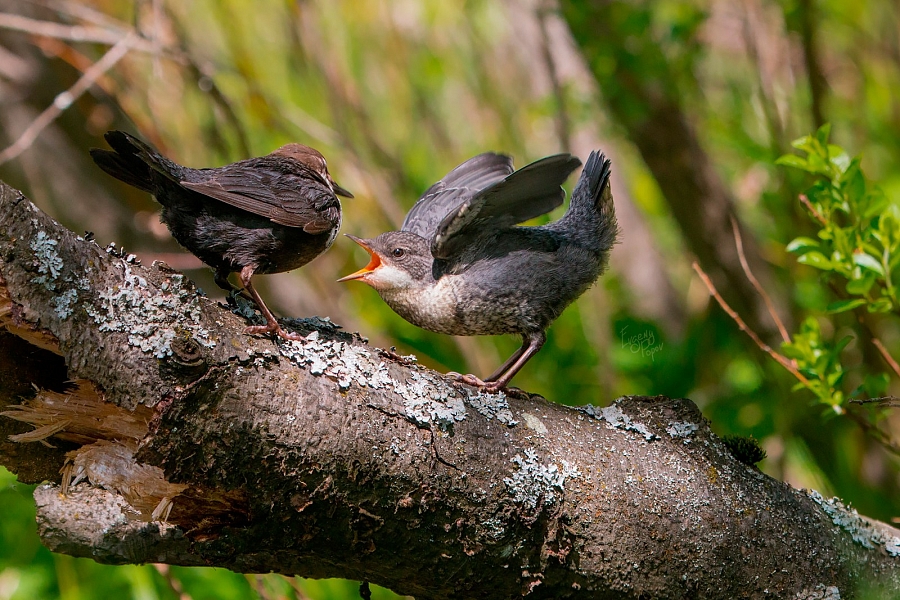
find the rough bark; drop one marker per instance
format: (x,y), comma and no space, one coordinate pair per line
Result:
(182,440)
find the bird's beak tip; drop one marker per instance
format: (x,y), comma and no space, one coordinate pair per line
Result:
(374,262)
(340,191)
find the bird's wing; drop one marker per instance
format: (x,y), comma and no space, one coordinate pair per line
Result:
(293,197)
(458,186)
(529,192)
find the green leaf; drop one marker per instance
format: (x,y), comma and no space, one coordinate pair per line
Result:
(838,158)
(805,143)
(882,305)
(823,133)
(839,347)
(817,260)
(792,160)
(862,285)
(845,305)
(834,378)
(866,261)
(810,326)
(853,183)
(875,202)
(802,243)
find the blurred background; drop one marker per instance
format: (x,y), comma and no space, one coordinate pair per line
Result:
(693,100)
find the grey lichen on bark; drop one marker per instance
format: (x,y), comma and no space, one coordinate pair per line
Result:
(186,441)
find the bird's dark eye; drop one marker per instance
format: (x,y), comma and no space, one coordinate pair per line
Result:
(397,252)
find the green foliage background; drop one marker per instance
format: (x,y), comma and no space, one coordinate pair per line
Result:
(395,94)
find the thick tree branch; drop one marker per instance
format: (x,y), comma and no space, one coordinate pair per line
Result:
(182,440)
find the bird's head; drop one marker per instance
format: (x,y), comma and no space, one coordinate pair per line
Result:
(398,260)
(315,162)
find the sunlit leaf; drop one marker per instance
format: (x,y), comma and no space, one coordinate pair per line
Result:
(802,244)
(845,305)
(867,261)
(817,260)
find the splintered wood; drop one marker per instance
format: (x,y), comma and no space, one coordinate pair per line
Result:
(109,436)
(78,415)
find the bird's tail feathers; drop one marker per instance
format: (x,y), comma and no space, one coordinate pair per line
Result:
(592,200)
(133,161)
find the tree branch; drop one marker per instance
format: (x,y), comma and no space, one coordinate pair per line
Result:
(184,441)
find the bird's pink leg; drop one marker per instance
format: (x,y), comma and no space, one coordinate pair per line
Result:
(530,346)
(271,325)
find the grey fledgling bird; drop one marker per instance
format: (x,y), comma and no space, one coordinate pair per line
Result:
(269,214)
(460,265)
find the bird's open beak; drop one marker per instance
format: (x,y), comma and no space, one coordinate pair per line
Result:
(374,263)
(341,191)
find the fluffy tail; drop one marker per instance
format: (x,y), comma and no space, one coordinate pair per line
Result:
(592,213)
(133,161)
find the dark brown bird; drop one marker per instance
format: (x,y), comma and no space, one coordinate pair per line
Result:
(460,266)
(263,215)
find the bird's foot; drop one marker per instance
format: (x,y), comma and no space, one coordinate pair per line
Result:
(469,379)
(276,329)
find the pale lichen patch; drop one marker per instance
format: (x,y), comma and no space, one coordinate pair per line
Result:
(534,483)
(534,422)
(682,429)
(860,530)
(151,318)
(492,406)
(339,360)
(427,399)
(49,263)
(613,415)
(64,303)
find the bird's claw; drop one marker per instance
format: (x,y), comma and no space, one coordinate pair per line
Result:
(276,329)
(469,379)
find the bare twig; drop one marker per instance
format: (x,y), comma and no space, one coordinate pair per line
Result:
(81,33)
(888,401)
(873,430)
(812,209)
(782,360)
(886,355)
(739,243)
(65,99)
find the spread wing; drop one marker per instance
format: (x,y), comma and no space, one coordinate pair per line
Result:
(529,192)
(458,186)
(286,194)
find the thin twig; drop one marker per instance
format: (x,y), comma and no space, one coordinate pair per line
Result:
(812,209)
(888,401)
(80,33)
(877,433)
(886,355)
(65,99)
(739,242)
(782,360)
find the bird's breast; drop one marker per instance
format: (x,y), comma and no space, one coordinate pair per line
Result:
(455,306)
